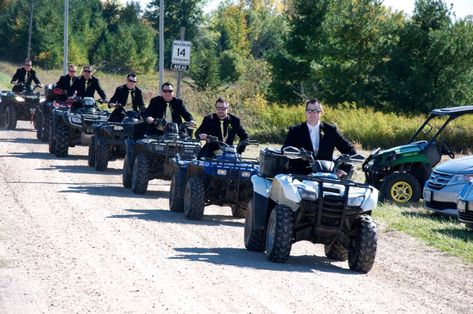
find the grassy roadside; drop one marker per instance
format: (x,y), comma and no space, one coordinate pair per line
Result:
(443,233)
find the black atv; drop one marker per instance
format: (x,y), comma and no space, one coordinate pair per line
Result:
(54,99)
(75,126)
(151,157)
(20,105)
(224,180)
(108,141)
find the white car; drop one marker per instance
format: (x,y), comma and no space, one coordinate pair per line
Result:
(445,183)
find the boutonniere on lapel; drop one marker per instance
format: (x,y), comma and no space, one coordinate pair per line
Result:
(321,133)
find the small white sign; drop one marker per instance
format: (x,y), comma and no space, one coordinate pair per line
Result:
(181,52)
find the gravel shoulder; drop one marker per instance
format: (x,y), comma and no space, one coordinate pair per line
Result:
(75,240)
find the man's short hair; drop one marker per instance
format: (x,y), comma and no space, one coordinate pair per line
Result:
(221,100)
(133,75)
(314,101)
(167,84)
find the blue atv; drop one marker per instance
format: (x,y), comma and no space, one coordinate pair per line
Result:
(151,157)
(108,141)
(224,180)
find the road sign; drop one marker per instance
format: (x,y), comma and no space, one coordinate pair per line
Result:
(181,55)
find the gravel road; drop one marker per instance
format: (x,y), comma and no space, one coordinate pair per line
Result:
(73,240)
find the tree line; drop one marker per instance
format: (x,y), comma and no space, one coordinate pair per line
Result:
(355,51)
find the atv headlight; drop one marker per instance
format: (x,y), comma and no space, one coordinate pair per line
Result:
(355,201)
(308,193)
(246,174)
(221,172)
(19,99)
(75,119)
(42,99)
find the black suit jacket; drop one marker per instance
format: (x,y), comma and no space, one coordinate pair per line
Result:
(232,126)
(121,96)
(94,86)
(157,108)
(64,83)
(298,136)
(19,77)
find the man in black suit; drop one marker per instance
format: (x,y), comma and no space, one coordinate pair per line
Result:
(86,85)
(23,77)
(223,125)
(316,136)
(127,97)
(167,107)
(67,81)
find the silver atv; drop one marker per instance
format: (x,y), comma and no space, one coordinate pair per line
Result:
(324,206)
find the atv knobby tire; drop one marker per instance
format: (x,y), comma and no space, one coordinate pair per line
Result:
(51,140)
(102,154)
(279,234)
(194,198)
(127,173)
(92,149)
(363,245)
(336,252)
(47,122)
(176,193)
(400,187)
(62,140)
(254,239)
(38,118)
(139,181)
(238,210)
(10,117)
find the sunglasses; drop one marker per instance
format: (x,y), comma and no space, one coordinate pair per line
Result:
(167,90)
(72,71)
(131,81)
(221,108)
(87,71)
(27,65)
(313,110)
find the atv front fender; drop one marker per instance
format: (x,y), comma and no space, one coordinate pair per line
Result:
(261,201)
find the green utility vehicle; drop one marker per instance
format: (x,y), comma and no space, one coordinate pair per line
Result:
(400,172)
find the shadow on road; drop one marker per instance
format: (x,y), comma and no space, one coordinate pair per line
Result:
(244,258)
(31,155)
(21,140)
(118,190)
(81,169)
(162,215)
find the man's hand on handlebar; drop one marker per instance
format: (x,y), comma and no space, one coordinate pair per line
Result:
(203,136)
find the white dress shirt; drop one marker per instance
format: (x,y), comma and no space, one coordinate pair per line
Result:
(314,132)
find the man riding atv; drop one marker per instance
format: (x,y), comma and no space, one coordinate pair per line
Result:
(23,78)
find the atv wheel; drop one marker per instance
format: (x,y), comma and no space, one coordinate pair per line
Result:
(47,121)
(126,174)
(279,234)
(51,140)
(176,198)
(39,126)
(102,155)
(91,156)
(139,181)
(194,198)
(238,210)
(254,239)
(336,252)
(10,117)
(62,140)
(400,187)
(362,251)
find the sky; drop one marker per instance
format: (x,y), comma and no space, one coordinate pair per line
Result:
(461,8)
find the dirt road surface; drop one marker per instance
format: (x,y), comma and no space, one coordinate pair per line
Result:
(73,240)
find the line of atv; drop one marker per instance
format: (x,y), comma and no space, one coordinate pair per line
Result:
(280,206)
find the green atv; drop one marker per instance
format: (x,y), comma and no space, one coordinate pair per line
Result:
(400,172)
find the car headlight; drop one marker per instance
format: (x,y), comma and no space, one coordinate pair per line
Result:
(221,172)
(460,179)
(308,194)
(355,201)
(461,206)
(19,99)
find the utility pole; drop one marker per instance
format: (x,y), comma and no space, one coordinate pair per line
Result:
(30,30)
(179,73)
(161,44)
(66,35)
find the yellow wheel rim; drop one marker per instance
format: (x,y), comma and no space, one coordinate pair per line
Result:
(401,192)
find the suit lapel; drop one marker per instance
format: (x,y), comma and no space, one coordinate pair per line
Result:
(307,139)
